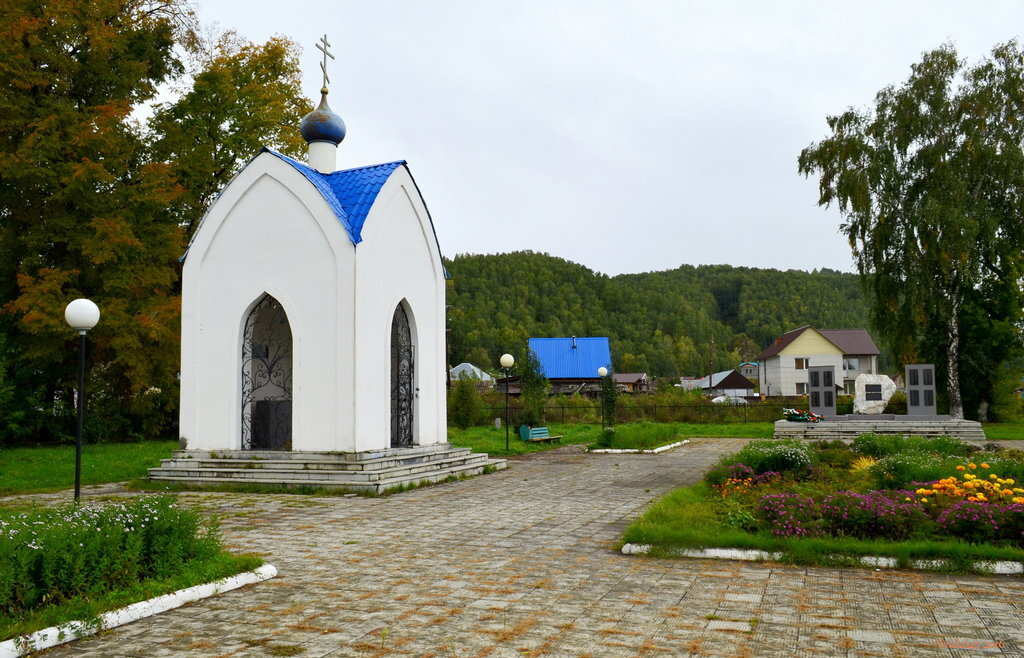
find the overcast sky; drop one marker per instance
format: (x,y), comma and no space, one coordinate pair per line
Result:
(626,136)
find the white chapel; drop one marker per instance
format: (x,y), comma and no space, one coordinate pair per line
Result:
(313,308)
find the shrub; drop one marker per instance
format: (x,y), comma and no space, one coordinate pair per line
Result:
(883,445)
(786,456)
(897,404)
(970,520)
(464,404)
(607,438)
(50,556)
(788,515)
(833,453)
(876,514)
(1011,523)
(901,469)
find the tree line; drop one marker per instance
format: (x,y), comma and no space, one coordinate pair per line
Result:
(686,321)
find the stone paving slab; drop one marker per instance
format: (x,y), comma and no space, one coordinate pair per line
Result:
(522,562)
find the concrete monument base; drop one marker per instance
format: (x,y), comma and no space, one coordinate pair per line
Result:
(852,426)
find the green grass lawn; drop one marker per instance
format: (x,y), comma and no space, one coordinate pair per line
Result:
(37,470)
(1003,431)
(492,441)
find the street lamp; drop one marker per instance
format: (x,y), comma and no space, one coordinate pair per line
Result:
(602,372)
(507,362)
(82,315)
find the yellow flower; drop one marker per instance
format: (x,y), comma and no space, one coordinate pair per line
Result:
(1014,500)
(924,500)
(992,477)
(1018,499)
(1010,481)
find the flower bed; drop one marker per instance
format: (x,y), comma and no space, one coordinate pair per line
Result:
(907,498)
(75,555)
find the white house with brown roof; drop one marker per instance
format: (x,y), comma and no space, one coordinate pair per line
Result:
(782,368)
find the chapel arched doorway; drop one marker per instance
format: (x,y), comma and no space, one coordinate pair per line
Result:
(267,378)
(403,392)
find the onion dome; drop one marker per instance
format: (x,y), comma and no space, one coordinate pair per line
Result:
(322,125)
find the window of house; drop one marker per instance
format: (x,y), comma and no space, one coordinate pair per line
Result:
(800,364)
(801,387)
(849,387)
(851,363)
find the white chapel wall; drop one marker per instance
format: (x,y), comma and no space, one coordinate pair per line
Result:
(269,232)
(398,261)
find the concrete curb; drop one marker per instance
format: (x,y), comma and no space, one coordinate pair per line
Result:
(631,451)
(999,568)
(73,630)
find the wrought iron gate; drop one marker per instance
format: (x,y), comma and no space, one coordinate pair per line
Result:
(267,378)
(402,369)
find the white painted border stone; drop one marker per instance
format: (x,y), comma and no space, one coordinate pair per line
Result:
(1000,568)
(633,451)
(73,630)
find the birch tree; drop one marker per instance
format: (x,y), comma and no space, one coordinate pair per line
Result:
(930,186)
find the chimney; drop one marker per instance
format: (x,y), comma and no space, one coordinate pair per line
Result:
(574,342)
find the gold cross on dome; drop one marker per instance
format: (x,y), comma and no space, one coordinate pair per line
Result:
(323,65)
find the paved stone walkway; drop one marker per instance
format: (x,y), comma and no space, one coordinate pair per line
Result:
(521,562)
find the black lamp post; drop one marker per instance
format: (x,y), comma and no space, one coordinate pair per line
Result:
(82,315)
(507,362)
(602,372)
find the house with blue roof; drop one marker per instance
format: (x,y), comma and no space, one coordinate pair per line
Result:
(313,308)
(571,364)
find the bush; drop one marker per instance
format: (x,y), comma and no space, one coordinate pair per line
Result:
(788,515)
(883,445)
(833,453)
(970,520)
(464,407)
(785,456)
(897,404)
(1011,523)
(902,469)
(51,556)
(876,514)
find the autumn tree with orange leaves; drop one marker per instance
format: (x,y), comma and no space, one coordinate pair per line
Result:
(93,203)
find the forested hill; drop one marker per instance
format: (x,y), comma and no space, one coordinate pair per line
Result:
(677,322)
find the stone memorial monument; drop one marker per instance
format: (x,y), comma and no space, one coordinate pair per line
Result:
(872,393)
(920,382)
(821,390)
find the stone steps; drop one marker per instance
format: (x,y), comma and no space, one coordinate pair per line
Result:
(965,430)
(373,471)
(319,462)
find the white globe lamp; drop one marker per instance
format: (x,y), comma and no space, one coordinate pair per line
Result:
(82,315)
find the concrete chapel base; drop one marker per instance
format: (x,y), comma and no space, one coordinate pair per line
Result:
(374,471)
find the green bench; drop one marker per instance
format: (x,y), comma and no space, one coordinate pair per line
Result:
(537,434)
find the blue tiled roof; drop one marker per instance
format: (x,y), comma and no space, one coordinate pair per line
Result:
(561,360)
(350,193)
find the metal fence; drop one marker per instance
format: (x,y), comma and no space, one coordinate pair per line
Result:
(697,413)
